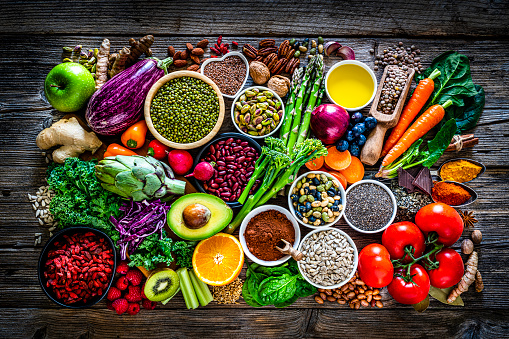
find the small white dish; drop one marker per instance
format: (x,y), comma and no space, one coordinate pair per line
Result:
(355,258)
(292,208)
(261,88)
(240,55)
(258,211)
(365,67)
(394,205)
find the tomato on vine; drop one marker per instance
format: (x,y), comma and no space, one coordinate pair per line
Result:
(447,270)
(375,266)
(410,287)
(400,235)
(442,219)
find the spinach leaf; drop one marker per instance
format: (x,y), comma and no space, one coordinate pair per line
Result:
(254,287)
(468,116)
(287,302)
(303,288)
(273,271)
(248,297)
(454,82)
(292,266)
(437,146)
(275,290)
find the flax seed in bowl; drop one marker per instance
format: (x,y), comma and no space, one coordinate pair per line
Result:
(229,73)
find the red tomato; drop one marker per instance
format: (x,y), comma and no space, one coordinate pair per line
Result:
(410,293)
(400,235)
(375,266)
(440,218)
(450,269)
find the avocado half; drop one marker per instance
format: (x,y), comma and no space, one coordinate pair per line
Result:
(205,215)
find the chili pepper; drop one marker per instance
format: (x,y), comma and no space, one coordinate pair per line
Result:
(157,149)
(215,50)
(134,136)
(116,149)
(219,40)
(235,43)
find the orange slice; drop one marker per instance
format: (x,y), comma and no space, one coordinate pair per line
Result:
(218,260)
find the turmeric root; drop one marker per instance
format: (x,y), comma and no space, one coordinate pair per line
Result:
(138,48)
(119,63)
(73,138)
(467,279)
(479,285)
(101,70)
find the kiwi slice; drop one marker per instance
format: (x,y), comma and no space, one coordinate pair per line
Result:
(161,284)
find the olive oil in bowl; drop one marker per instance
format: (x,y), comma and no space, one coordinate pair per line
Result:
(350,84)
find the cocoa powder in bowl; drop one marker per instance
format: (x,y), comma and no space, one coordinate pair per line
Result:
(265,231)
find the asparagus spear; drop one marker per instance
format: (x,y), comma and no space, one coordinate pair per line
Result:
(290,105)
(321,92)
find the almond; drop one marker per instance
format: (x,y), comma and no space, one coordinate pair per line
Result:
(171,51)
(195,58)
(197,51)
(189,46)
(194,67)
(180,63)
(202,44)
(184,55)
(177,55)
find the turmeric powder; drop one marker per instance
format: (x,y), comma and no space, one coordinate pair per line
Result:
(460,171)
(467,279)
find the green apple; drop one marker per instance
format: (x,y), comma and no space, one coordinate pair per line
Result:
(68,86)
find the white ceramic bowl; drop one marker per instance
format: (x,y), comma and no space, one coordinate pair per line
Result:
(240,55)
(292,208)
(355,258)
(394,204)
(258,211)
(261,88)
(352,62)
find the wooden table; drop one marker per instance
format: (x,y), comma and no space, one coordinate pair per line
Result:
(32,36)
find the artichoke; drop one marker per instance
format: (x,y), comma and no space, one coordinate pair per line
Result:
(138,177)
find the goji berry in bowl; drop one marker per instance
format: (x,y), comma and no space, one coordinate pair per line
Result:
(76,267)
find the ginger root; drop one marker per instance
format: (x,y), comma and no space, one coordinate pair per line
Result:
(467,279)
(73,138)
(101,68)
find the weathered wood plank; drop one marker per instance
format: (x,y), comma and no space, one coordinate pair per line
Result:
(388,18)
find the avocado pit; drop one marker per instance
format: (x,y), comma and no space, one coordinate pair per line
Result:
(196,216)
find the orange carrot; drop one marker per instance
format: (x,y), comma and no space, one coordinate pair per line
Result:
(354,172)
(316,164)
(337,160)
(419,128)
(413,107)
(340,177)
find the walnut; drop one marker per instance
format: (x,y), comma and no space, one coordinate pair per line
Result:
(259,72)
(279,84)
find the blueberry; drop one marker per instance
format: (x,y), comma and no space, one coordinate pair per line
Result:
(357,117)
(312,219)
(350,126)
(316,182)
(308,206)
(361,140)
(359,129)
(299,215)
(350,136)
(342,145)
(370,123)
(354,150)
(295,197)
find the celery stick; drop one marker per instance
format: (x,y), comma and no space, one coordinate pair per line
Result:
(187,289)
(201,289)
(164,302)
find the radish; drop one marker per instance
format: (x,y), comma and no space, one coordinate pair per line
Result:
(180,161)
(203,171)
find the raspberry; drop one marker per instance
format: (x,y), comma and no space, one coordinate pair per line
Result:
(113,294)
(122,268)
(134,276)
(134,294)
(133,308)
(148,305)
(120,305)
(109,306)
(122,283)
(143,292)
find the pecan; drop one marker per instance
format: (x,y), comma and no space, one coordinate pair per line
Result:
(292,65)
(202,44)
(290,53)
(283,48)
(279,66)
(250,51)
(171,51)
(267,43)
(270,60)
(259,58)
(266,51)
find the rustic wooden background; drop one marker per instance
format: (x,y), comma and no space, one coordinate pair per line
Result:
(32,34)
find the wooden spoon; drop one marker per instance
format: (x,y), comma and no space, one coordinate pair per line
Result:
(288,249)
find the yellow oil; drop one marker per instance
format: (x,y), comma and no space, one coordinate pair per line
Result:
(350,86)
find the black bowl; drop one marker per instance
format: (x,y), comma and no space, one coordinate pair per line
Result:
(44,256)
(224,136)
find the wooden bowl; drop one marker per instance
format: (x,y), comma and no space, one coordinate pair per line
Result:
(159,84)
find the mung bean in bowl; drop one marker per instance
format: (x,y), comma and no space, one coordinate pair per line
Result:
(184,109)
(330,258)
(317,199)
(371,206)
(257,111)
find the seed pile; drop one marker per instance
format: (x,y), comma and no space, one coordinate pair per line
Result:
(228,294)
(398,55)
(391,91)
(40,203)
(228,74)
(185,110)
(356,293)
(316,199)
(408,203)
(328,258)
(369,207)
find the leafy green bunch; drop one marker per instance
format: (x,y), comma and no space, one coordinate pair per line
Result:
(154,251)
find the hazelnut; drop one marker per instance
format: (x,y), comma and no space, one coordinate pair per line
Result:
(467,246)
(279,84)
(259,72)
(476,237)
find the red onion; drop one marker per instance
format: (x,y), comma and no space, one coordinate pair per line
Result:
(329,122)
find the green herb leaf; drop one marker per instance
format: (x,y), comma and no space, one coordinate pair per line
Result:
(274,290)
(441,295)
(422,306)
(303,288)
(468,116)
(248,297)
(442,139)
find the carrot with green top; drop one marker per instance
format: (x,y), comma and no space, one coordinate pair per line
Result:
(419,128)
(413,107)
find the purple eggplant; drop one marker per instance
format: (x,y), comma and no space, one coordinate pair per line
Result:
(119,102)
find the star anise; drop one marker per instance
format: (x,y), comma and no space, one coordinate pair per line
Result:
(468,218)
